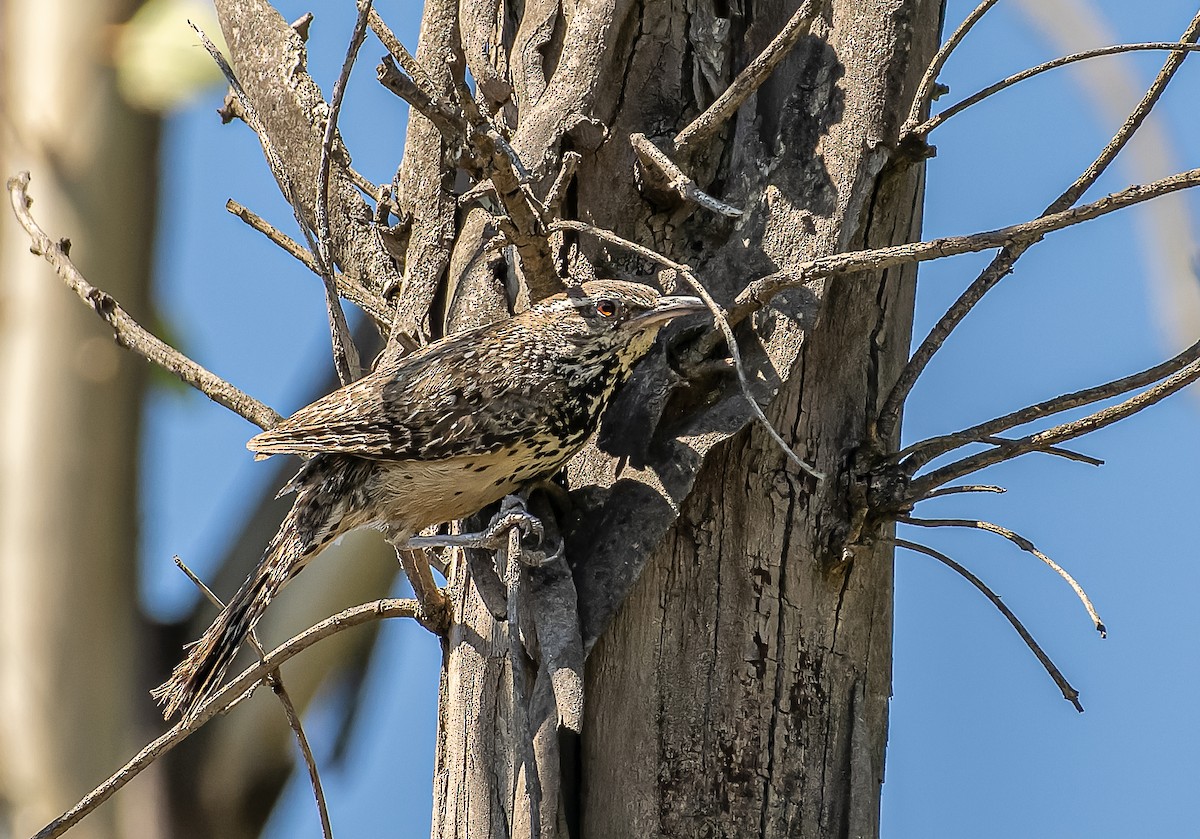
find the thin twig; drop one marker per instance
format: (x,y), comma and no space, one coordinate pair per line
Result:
(1058,434)
(718,317)
(345,353)
(918,454)
(750,79)
(938,493)
(274,680)
(937,119)
(128,332)
(365,299)
(925,89)
(1056,451)
(228,696)
(1020,235)
(1069,693)
(1002,264)
(342,349)
(652,157)
(510,556)
(1025,545)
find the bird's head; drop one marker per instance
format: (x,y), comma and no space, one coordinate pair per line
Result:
(615,316)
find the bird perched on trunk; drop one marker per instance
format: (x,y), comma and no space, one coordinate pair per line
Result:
(436,436)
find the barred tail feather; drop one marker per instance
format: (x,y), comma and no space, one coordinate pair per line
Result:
(199,675)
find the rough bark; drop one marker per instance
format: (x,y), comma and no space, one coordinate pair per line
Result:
(69,422)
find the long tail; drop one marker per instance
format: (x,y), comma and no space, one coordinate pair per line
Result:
(199,675)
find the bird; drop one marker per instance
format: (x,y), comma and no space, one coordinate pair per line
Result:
(436,436)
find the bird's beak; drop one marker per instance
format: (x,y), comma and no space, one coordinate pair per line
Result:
(671,307)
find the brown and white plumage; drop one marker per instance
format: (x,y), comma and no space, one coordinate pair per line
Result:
(436,436)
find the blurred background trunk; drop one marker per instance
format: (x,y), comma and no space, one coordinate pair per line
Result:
(70,402)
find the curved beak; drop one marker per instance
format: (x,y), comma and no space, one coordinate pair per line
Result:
(670,307)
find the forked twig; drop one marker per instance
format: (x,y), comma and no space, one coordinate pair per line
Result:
(435,608)
(233,692)
(1025,545)
(718,317)
(1069,693)
(750,79)
(274,680)
(127,331)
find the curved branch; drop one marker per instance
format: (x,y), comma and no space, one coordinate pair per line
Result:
(1016,237)
(1025,545)
(719,317)
(233,693)
(1069,693)
(937,119)
(925,90)
(127,331)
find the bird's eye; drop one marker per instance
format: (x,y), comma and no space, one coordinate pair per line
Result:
(606,309)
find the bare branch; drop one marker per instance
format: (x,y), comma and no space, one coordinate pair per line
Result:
(719,318)
(655,160)
(1017,236)
(1025,545)
(934,121)
(367,300)
(228,696)
(918,454)
(1058,434)
(274,680)
(1002,264)
(128,332)
(1069,693)
(750,79)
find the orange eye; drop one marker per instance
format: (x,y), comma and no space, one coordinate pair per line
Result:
(606,309)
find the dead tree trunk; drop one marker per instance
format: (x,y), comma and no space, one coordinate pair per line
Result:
(742,689)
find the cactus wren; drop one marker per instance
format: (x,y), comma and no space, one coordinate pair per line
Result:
(436,436)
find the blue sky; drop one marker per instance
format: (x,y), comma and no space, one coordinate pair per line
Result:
(981,744)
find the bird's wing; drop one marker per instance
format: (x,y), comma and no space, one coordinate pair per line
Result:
(431,405)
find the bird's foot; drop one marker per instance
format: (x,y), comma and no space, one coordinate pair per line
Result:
(513,514)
